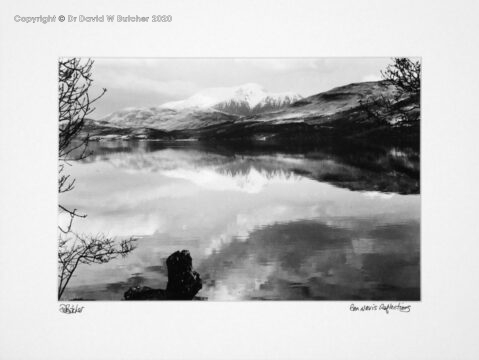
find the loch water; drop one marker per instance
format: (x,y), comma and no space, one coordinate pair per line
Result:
(329,223)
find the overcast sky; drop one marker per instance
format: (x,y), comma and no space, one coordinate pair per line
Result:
(152,82)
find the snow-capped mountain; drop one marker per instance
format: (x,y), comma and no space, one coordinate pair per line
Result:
(247,99)
(209,107)
(212,115)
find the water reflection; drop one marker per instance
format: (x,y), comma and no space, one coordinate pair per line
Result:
(316,224)
(311,260)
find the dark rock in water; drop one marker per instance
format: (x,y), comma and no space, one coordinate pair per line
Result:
(183,282)
(145,293)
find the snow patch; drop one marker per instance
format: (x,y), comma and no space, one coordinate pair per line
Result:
(250,94)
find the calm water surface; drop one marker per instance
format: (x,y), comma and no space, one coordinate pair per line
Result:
(259,225)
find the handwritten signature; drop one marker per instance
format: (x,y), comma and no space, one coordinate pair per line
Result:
(381,307)
(71,309)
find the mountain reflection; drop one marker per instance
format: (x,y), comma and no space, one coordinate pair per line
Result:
(320,223)
(359,168)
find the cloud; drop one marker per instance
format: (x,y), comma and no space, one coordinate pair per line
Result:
(279,65)
(138,84)
(152,82)
(372,77)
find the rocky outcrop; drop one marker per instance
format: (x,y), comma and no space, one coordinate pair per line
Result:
(183,282)
(145,293)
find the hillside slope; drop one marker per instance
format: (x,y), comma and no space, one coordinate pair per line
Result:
(337,112)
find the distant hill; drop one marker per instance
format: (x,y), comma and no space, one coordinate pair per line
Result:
(321,107)
(166,119)
(337,112)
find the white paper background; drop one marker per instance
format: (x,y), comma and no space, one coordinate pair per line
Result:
(444,325)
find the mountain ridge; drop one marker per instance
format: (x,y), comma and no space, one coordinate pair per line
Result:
(336,112)
(246,99)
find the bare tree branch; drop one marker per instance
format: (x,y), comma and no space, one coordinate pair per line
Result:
(401,109)
(75,249)
(74,105)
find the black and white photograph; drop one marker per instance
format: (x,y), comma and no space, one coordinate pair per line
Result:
(240,179)
(245,180)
